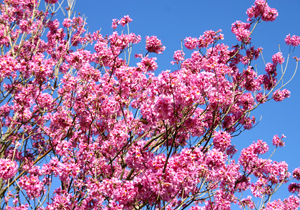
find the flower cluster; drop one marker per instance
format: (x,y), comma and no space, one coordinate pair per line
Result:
(241,31)
(294,40)
(278,141)
(8,169)
(147,64)
(280,95)
(263,10)
(154,45)
(222,140)
(209,37)
(178,56)
(32,185)
(277,58)
(124,20)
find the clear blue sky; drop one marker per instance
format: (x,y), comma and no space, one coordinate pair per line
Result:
(174,20)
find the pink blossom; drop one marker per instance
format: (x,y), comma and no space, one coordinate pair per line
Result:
(178,56)
(291,203)
(67,23)
(32,185)
(278,141)
(147,64)
(209,37)
(294,188)
(280,95)
(231,150)
(294,40)
(261,98)
(8,169)
(263,10)
(296,173)
(222,140)
(191,43)
(124,20)
(241,31)
(277,58)
(247,202)
(115,23)
(154,45)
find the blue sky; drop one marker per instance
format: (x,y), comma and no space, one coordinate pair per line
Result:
(174,20)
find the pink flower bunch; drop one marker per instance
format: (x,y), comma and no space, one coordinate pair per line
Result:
(294,188)
(291,203)
(53,25)
(209,37)
(8,66)
(32,185)
(8,169)
(247,202)
(249,155)
(191,43)
(147,64)
(61,200)
(296,174)
(67,23)
(178,56)
(277,58)
(278,141)
(124,20)
(294,40)
(263,10)
(280,95)
(222,140)
(251,82)
(241,31)
(261,98)
(154,45)
(251,54)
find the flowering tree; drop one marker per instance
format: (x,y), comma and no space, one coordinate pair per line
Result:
(87,130)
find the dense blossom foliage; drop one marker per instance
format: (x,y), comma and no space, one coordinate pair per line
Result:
(86,129)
